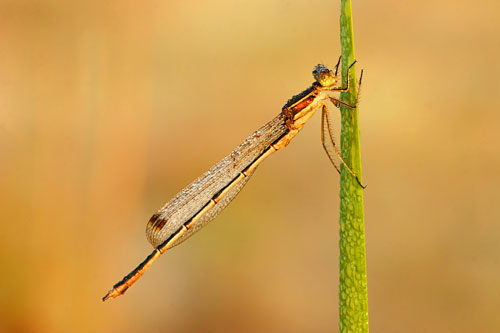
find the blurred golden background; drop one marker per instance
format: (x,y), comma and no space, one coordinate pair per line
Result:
(107,109)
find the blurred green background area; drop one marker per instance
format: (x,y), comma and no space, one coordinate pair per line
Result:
(107,109)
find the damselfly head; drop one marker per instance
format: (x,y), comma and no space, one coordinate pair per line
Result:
(324,76)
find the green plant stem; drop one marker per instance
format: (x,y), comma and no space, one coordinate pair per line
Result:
(353,293)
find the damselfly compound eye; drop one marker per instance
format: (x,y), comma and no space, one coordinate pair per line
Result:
(324,76)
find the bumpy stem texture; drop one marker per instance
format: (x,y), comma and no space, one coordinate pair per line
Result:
(353,293)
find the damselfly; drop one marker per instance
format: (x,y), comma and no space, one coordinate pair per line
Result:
(203,199)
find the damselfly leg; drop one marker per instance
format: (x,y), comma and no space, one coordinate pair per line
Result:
(327,128)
